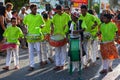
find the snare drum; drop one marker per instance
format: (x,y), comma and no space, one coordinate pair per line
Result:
(57,40)
(8,46)
(33,37)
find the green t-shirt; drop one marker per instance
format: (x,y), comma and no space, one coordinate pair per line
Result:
(83,25)
(12,34)
(33,23)
(108,31)
(89,21)
(47,27)
(95,30)
(59,22)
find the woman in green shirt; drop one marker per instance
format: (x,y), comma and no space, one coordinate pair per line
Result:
(107,47)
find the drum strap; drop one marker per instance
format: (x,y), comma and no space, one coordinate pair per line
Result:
(79,28)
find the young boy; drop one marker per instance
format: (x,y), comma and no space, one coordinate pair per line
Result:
(12,34)
(76,29)
(107,47)
(46,49)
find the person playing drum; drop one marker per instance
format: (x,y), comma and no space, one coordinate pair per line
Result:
(76,28)
(46,49)
(91,23)
(12,34)
(34,23)
(60,20)
(94,38)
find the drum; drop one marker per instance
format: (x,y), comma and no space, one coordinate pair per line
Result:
(8,46)
(74,54)
(74,50)
(57,40)
(33,37)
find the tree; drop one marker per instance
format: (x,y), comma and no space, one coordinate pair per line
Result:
(18,3)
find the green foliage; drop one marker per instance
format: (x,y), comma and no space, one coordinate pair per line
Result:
(18,3)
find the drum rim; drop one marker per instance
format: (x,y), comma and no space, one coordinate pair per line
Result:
(52,42)
(57,40)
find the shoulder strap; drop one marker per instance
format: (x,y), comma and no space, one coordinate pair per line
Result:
(69,23)
(80,27)
(80,24)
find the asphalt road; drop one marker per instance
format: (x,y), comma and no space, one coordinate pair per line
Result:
(47,73)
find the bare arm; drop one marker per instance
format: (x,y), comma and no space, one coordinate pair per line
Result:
(8,20)
(94,25)
(78,31)
(2,22)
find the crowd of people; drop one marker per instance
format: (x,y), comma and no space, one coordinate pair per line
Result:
(81,33)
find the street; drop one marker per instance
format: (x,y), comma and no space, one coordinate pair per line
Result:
(47,73)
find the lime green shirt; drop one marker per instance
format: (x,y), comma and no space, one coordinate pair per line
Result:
(89,21)
(12,34)
(83,25)
(108,31)
(95,30)
(33,22)
(59,22)
(47,28)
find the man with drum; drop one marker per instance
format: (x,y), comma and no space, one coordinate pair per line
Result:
(34,22)
(59,30)
(76,29)
(94,38)
(46,49)
(91,23)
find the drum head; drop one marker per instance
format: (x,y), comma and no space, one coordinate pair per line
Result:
(57,37)
(33,36)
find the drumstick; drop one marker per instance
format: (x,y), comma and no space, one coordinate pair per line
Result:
(52,29)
